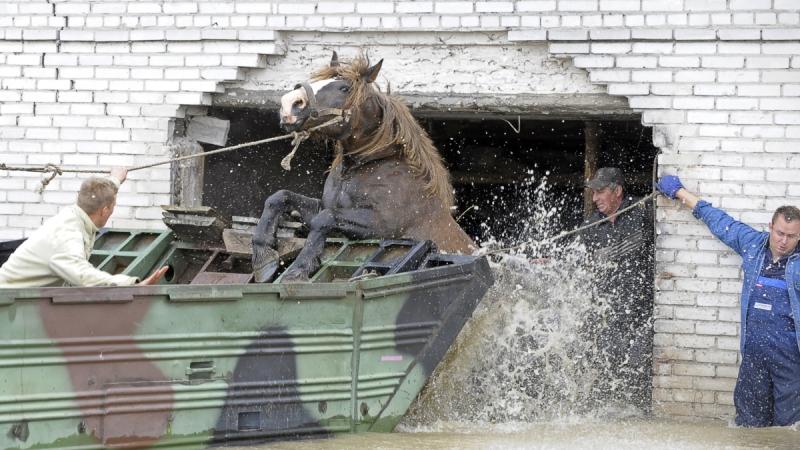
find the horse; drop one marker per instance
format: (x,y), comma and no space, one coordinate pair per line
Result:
(387,179)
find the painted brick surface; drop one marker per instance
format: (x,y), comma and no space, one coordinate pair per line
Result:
(93,83)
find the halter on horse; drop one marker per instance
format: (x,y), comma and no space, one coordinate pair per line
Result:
(387,179)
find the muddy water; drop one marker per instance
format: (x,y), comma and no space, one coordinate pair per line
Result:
(654,434)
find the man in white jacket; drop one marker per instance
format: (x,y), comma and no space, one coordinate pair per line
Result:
(57,254)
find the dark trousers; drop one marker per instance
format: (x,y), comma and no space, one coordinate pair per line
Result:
(768,386)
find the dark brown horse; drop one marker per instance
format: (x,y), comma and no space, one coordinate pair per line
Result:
(387,179)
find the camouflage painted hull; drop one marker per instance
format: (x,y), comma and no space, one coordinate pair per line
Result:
(195,365)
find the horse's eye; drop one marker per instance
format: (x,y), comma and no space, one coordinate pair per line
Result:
(345,88)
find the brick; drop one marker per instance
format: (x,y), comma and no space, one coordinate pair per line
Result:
(620,5)
(738,76)
(782,147)
(251,60)
(611,47)
(752,117)
(662,5)
(696,313)
(39,35)
(711,384)
(695,34)
(39,96)
(638,62)
(149,135)
(148,35)
(742,146)
(782,104)
(674,326)
(771,190)
(25,59)
(776,48)
(561,47)
(721,300)
(651,34)
(188,98)
(148,47)
(303,8)
(105,122)
(737,103)
(706,117)
(180,8)
(696,257)
(672,381)
(628,89)
(527,35)
(183,35)
(677,61)
(695,76)
(693,103)
(786,34)
(693,341)
(685,369)
(722,62)
(538,6)
(605,34)
(649,102)
(718,329)
(715,89)
(696,48)
(662,116)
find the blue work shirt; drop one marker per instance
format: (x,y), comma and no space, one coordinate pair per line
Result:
(751,245)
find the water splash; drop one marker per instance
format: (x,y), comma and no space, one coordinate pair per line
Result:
(534,349)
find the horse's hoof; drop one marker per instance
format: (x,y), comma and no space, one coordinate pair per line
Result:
(265,264)
(266,273)
(294,276)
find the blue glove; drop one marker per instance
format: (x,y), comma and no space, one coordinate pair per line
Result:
(669,185)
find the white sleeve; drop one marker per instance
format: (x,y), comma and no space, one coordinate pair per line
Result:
(69,263)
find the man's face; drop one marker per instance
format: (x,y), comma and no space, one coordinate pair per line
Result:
(607,199)
(783,236)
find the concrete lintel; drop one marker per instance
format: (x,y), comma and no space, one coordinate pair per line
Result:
(530,106)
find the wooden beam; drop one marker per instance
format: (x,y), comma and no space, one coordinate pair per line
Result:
(591,148)
(188,174)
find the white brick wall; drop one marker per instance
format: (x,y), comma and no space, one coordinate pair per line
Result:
(93,83)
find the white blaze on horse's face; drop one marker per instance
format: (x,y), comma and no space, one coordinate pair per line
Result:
(296,101)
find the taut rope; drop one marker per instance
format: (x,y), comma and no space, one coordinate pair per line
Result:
(564,234)
(297,138)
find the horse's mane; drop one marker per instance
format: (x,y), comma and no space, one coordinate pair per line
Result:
(398,129)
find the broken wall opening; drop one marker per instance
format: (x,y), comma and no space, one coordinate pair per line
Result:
(491,161)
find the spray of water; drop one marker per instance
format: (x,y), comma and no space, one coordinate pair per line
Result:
(532,351)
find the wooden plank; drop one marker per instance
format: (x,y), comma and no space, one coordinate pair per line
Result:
(209,130)
(591,146)
(240,242)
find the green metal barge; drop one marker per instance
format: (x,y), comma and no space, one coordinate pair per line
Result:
(209,358)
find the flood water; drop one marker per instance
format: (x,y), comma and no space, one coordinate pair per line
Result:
(525,370)
(652,434)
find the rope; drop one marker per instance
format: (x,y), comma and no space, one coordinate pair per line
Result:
(576,230)
(297,138)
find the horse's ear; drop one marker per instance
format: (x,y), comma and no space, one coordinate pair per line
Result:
(372,73)
(335,59)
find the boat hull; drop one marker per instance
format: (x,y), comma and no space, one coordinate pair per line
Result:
(197,365)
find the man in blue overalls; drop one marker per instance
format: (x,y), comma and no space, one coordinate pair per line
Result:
(768,387)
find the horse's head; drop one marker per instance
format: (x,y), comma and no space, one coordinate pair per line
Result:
(336,90)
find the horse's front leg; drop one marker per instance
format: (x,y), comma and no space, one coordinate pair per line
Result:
(353,223)
(265,258)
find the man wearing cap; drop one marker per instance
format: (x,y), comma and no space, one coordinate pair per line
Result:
(767,389)
(621,250)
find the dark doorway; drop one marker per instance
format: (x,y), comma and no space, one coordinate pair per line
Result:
(493,166)
(496,163)
(237,183)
